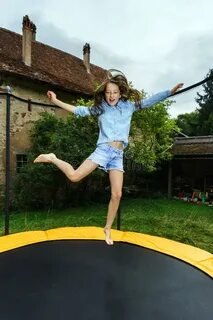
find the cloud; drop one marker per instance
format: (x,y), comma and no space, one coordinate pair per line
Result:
(189,61)
(155,44)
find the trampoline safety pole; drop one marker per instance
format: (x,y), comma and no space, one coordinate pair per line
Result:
(7,166)
(119,218)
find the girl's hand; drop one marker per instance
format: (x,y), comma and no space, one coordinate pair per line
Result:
(176,88)
(51,95)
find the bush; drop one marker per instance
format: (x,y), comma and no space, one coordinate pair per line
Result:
(43,185)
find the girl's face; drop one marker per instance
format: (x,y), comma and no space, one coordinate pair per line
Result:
(112,94)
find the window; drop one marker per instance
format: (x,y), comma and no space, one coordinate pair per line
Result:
(21,161)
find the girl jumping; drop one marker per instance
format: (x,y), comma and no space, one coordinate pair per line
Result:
(114,103)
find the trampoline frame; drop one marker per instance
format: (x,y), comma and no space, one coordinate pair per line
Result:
(196,257)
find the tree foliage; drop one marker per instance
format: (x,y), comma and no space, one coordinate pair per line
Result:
(43,185)
(73,139)
(200,122)
(205,108)
(151,136)
(189,123)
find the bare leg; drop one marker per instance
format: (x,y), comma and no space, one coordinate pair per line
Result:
(74,175)
(116,181)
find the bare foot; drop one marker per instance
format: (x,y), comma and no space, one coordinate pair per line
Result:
(108,238)
(47,158)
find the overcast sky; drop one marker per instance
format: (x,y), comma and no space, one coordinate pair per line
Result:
(155,43)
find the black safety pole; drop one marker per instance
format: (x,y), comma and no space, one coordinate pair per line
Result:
(7,171)
(9,95)
(210,78)
(119,218)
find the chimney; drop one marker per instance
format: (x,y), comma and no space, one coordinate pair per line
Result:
(86,56)
(29,35)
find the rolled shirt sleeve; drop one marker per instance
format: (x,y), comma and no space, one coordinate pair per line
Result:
(148,102)
(81,111)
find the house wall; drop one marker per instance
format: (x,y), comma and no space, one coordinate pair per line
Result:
(22,119)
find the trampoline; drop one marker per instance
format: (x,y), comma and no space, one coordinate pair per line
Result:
(68,273)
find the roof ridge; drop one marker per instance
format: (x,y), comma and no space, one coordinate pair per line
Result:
(36,42)
(49,64)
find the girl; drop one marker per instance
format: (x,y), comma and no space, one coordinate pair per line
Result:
(113,107)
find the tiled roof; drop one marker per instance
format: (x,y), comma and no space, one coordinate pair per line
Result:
(49,65)
(199,146)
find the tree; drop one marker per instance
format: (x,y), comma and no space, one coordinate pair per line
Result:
(151,136)
(205,108)
(73,139)
(189,123)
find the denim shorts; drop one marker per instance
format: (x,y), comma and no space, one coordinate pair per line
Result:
(108,157)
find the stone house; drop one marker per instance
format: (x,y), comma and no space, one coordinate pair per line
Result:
(30,68)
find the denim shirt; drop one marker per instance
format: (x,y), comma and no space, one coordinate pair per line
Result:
(114,122)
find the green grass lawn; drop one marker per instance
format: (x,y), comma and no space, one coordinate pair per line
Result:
(184,222)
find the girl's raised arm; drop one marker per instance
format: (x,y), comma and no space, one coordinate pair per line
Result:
(148,102)
(68,107)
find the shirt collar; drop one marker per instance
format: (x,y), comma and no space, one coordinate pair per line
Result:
(117,106)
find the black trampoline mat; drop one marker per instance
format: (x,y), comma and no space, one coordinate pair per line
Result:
(88,280)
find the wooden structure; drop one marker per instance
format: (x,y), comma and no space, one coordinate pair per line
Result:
(192,166)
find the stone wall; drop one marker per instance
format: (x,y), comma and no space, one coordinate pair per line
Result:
(22,119)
